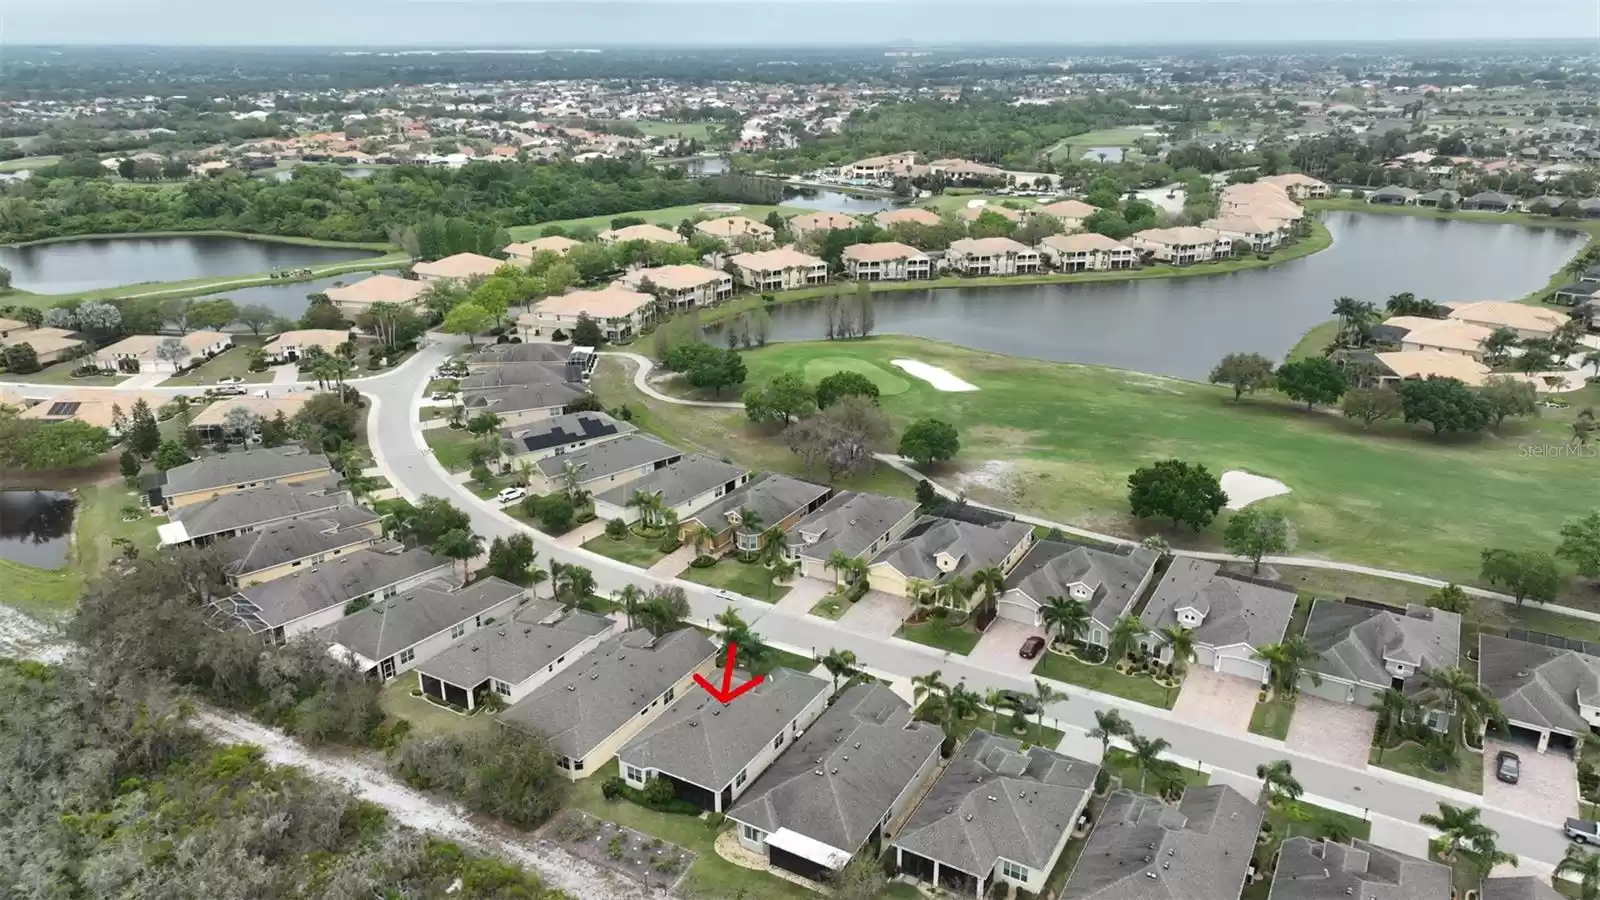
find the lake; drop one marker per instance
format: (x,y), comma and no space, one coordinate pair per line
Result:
(68,267)
(289,298)
(354,172)
(829,200)
(35,528)
(1182,326)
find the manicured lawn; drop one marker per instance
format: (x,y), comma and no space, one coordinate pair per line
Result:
(1000,723)
(830,607)
(1120,764)
(452,447)
(887,381)
(232,363)
(940,633)
(750,579)
(1075,146)
(425,717)
(1308,821)
(61,373)
(1103,678)
(442,384)
(632,549)
(666,218)
(787,660)
(1407,759)
(1390,497)
(51,594)
(700,131)
(1271,719)
(488,489)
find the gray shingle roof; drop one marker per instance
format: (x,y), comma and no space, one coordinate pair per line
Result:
(1143,849)
(519,354)
(226,469)
(535,637)
(512,375)
(520,397)
(286,542)
(335,583)
(563,431)
(1537,685)
(1355,640)
(973,547)
(840,778)
(851,523)
(610,457)
(1051,568)
(389,626)
(705,742)
(994,800)
(1324,870)
(1234,611)
(269,502)
(774,497)
(598,695)
(1519,887)
(679,482)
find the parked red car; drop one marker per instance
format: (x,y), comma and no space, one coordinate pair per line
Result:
(1031,647)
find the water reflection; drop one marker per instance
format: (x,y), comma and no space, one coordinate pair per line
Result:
(35,527)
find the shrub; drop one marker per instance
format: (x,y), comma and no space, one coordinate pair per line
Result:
(1358,194)
(558,336)
(715,819)
(1261,696)
(615,849)
(1102,780)
(481,474)
(508,775)
(659,791)
(612,787)
(616,529)
(703,562)
(669,544)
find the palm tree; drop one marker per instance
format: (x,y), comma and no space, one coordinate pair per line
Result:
(774,548)
(1458,824)
(994,698)
(1180,641)
(921,591)
(572,482)
(1108,724)
(1278,782)
(648,503)
(1334,829)
(696,535)
(1287,661)
(1483,854)
(1147,754)
(750,521)
(782,570)
(631,597)
(1576,267)
(840,664)
(991,581)
(1474,706)
(525,470)
(573,585)
(1124,634)
(1592,358)
(956,591)
(1169,781)
(928,685)
(838,563)
(1045,694)
(1586,866)
(1066,617)
(962,702)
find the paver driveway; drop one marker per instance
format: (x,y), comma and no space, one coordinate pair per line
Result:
(1336,732)
(806,593)
(1547,789)
(877,614)
(998,647)
(1220,702)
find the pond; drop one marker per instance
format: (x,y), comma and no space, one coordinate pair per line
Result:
(289,298)
(68,267)
(353,172)
(1182,326)
(828,200)
(35,528)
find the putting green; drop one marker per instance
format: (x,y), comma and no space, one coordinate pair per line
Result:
(888,383)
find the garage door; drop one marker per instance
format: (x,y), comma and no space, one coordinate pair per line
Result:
(1204,657)
(1017,612)
(1244,668)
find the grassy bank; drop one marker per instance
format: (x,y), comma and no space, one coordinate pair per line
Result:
(374,246)
(1070,435)
(667,218)
(51,594)
(197,286)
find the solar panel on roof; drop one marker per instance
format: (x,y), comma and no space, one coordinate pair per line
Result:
(63,408)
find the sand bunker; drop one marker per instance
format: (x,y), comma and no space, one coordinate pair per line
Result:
(939,378)
(1244,489)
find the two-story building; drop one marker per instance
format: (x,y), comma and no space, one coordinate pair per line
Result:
(620,313)
(779,270)
(1263,235)
(459,267)
(1183,246)
(812,223)
(650,234)
(991,256)
(525,251)
(1070,213)
(887,261)
(680,287)
(1087,252)
(356,299)
(736,230)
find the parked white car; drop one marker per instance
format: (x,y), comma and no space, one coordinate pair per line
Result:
(232,379)
(511,495)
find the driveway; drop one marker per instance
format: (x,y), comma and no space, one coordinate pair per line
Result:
(289,373)
(1547,789)
(144,380)
(670,565)
(877,614)
(1336,732)
(998,647)
(1219,702)
(806,593)
(584,533)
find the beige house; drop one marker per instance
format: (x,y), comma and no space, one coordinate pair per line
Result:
(620,313)
(802,225)
(1527,321)
(290,346)
(1298,186)
(1259,201)
(354,299)
(778,270)
(1264,235)
(212,476)
(991,256)
(970,214)
(732,228)
(97,408)
(50,345)
(211,423)
(681,287)
(1423,364)
(524,252)
(881,168)
(891,217)
(652,234)
(1070,213)
(965,168)
(1441,335)
(151,353)
(1183,246)
(460,267)
(889,261)
(1087,252)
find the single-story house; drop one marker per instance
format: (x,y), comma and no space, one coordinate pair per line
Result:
(1087,252)
(521,394)
(355,299)
(887,261)
(212,422)
(1577,293)
(934,549)
(50,345)
(1230,617)
(394,635)
(555,243)
(996,813)
(991,256)
(806,223)
(594,708)
(1143,849)
(910,216)
(1393,195)
(1070,213)
(576,363)
(210,476)
(650,234)
(227,515)
(970,213)
(1321,870)
(605,465)
(732,228)
(780,269)
(1364,649)
(97,408)
(312,599)
(487,377)
(1547,693)
(158,353)
(458,267)
(779,501)
(1451,336)
(853,523)
(847,780)
(1106,582)
(277,550)
(556,435)
(1527,321)
(680,287)
(710,751)
(291,346)
(1490,201)
(619,312)
(684,487)
(1439,197)
(1405,365)
(513,658)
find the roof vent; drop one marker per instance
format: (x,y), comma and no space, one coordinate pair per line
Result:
(992,798)
(572,687)
(693,724)
(1150,875)
(819,771)
(1171,852)
(858,745)
(969,817)
(833,771)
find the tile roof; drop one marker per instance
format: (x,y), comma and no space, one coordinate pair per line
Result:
(1078,243)
(882,252)
(326,338)
(1326,870)
(1051,568)
(732,227)
(776,260)
(1427,363)
(389,626)
(916,554)
(652,233)
(1354,641)
(460,265)
(609,458)
(1234,611)
(1510,315)
(916,216)
(379,288)
(1067,209)
(770,495)
(705,742)
(851,522)
(263,408)
(533,638)
(678,482)
(1143,849)
(676,278)
(554,244)
(596,696)
(228,469)
(604,303)
(994,799)
(334,583)
(837,781)
(989,246)
(1537,685)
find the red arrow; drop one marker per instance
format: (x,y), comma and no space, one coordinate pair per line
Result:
(727,692)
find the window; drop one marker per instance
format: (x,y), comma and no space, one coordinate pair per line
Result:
(777,741)
(635,774)
(740,780)
(564,763)
(500,687)
(752,834)
(668,695)
(1013,871)
(407,655)
(748,540)
(458,630)
(477,621)
(577,765)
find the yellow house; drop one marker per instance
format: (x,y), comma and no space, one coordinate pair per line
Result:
(299,545)
(213,476)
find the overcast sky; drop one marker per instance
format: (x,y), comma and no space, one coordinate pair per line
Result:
(751,22)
